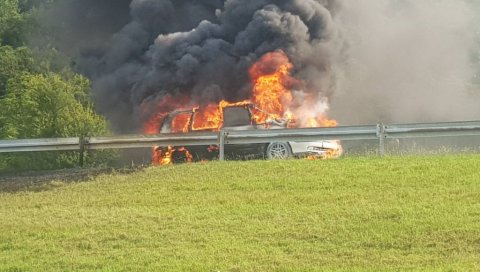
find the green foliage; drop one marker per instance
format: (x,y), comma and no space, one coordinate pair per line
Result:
(362,214)
(9,14)
(42,106)
(15,25)
(13,61)
(48,106)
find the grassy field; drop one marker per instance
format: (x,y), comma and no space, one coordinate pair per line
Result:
(352,214)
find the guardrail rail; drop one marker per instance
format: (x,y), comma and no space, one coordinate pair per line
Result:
(380,132)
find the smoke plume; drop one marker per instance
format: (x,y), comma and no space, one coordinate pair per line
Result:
(364,61)
(203,50)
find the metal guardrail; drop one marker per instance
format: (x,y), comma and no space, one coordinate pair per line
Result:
(451,129)
(142,141)
(232,137)
(300,135)
(33,145)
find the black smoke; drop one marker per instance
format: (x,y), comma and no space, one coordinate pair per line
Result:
(74,25)
(203,49)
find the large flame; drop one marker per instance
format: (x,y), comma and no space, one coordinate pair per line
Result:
(271,92)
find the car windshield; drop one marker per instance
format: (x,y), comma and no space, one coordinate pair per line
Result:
(177,123)
(236,116)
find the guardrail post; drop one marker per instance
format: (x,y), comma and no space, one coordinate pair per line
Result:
(82,151)
(381,137)
(222,135)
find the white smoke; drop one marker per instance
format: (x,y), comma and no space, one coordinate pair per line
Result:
(406,61)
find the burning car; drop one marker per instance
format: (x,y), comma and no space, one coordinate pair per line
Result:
(276,100)
(239,116)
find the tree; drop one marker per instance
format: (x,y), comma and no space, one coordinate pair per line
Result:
(9,14)
(14,24)
(48,106)
(13,61)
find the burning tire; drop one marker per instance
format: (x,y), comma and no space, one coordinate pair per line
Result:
(278,151)
(182,155)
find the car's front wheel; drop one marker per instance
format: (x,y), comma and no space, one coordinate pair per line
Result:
(278,151)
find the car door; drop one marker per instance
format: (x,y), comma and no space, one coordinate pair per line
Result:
(240,118)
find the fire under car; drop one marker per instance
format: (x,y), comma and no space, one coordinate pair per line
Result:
(240,117)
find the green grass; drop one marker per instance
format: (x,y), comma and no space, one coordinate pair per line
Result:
(353,214)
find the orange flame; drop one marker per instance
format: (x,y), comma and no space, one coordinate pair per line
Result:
(269,90)
(321,121)
(332,153)
(164,156)
(208,118)
(181,123)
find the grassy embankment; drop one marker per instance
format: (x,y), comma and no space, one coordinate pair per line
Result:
(420,213)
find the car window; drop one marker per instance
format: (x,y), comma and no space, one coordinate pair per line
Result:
(177,123)
(207,118)
(236,116)
(181,123)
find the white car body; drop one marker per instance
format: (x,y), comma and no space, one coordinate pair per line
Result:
(330,149)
